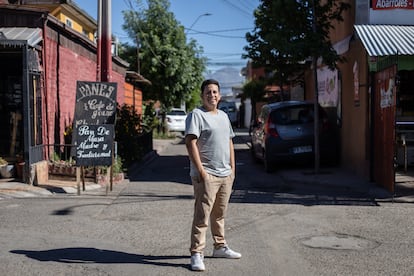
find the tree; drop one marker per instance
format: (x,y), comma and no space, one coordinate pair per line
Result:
(172,65)
(289,32)
(255,90)
(284,35)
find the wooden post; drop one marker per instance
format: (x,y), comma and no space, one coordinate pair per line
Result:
(78,179)
(83,177)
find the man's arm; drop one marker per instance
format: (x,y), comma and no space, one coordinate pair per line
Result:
(194,155)
(232,158)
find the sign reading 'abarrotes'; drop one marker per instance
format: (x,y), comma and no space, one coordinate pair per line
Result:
(95,111)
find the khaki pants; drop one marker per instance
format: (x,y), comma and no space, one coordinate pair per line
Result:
(211,200)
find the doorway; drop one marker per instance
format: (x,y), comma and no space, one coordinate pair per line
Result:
(404,132)
(11,104)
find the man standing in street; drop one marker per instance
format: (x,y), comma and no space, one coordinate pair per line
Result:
(208,138)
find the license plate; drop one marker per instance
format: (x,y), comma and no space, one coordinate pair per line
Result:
(302,149)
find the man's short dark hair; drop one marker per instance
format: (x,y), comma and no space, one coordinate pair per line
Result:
(207,82)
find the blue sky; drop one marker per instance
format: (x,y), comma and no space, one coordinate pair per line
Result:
(221,34)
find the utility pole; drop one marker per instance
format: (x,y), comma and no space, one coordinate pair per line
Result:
(98,42)
(138,63)
(105,61)
(316,100)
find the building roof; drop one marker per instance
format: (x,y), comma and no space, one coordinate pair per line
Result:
(386,40)
(134,77)
(18,36)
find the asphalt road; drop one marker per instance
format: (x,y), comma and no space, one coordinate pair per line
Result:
(142,227)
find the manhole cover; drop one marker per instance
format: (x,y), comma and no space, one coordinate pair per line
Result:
(339,242)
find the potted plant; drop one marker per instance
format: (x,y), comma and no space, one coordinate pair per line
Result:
(6,170)
(3,161)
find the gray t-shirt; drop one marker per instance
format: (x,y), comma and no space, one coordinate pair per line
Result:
(213,132)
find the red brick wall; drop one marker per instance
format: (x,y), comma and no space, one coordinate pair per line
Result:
(120,79)
(50,67)
(64,66)
(73,67)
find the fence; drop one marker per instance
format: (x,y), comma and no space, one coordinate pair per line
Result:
(62,156)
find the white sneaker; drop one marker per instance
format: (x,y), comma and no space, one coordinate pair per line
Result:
(197,263)
(226,252)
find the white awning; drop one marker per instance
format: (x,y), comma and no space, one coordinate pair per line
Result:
(386,40)
(18,36)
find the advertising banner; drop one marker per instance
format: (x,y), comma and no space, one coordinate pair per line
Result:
(327,87)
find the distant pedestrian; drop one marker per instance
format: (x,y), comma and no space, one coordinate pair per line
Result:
(208,138)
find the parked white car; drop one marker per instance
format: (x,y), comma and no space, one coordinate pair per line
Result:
(175,120)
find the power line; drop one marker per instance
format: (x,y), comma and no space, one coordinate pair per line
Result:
(249,14)
(246,5)
(226,30)
(216,35)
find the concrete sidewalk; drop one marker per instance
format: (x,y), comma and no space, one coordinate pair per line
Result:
(12,188)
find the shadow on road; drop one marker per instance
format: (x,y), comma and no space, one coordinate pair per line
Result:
(164,169)
(252,184)
(100,256)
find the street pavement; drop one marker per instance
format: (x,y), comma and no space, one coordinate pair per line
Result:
(333,178)
(286,223)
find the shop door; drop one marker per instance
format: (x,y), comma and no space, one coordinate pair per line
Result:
(384,127)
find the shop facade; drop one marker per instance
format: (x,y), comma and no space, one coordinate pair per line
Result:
(374,104)
(42,61)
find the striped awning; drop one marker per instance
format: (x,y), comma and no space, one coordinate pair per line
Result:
(386,40)
(17,36)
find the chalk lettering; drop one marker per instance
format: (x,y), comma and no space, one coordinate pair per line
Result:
(84,130)
(98,113)
(96,89)
(91,154)
(103,131)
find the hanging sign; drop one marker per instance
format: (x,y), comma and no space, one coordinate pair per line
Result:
(392,4)
(327,87)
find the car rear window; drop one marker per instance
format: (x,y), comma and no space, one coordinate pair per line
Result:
(292,115)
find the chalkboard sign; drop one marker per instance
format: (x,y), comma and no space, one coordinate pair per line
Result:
(95,103)
(94,145)
(95,111)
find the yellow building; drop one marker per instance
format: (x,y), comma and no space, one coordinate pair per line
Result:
(67,12)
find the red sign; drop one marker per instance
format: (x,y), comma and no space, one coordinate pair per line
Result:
(392,4)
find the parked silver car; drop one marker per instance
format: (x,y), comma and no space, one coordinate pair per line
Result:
(230,109)
(284,132)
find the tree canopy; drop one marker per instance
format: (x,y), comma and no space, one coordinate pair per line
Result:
(285,34)
(173,65)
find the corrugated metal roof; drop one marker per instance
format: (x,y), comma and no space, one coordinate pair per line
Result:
(17,36)
(387,40)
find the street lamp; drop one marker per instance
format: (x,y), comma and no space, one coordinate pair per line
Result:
(198,18)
